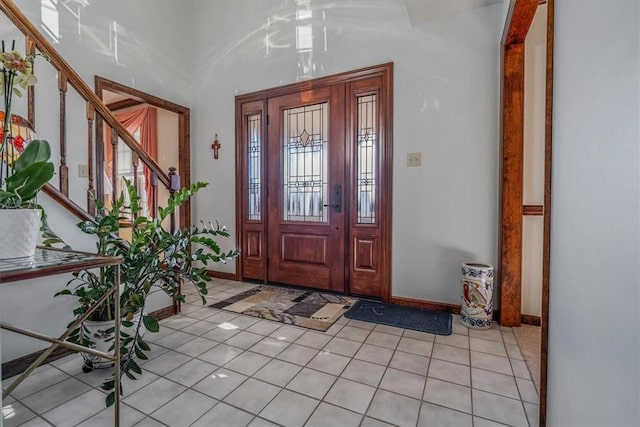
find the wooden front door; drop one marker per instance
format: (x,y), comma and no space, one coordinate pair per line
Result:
(314,183)
(306,181)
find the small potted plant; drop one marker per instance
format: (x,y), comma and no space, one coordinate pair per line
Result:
(153,260)
(24,165)
(20,215)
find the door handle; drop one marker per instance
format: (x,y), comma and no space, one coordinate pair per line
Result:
(337,198)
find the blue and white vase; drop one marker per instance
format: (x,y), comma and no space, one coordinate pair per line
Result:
(476,310)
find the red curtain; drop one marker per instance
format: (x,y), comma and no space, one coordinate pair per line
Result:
(145,120)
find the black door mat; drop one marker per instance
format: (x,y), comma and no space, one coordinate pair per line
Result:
(435,322)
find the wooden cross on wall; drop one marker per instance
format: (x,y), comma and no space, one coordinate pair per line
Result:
(216,146)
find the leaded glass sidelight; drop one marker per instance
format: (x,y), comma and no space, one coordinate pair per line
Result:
(253,167)
(366,174)
(305,165)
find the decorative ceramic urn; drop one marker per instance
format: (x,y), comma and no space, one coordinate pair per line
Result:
(477,295)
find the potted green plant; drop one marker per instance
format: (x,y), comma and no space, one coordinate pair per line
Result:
(153,260)
(24,165)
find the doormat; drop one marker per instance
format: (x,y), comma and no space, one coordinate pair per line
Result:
(309,309)
(435,322)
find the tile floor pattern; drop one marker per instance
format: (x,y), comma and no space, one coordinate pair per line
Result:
(528,338)
(214,368)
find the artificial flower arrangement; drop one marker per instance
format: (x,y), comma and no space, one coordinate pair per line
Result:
(25,167)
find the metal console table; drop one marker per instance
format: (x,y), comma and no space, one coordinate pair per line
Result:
(48,262)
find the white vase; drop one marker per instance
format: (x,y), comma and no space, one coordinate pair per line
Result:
(476,309)
(20,229)
(102,341)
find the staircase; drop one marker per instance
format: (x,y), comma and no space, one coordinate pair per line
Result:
(91,142)
(75,139)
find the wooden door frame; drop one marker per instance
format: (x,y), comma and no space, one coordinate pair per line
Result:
(137,97)
(385,164)
(519,18)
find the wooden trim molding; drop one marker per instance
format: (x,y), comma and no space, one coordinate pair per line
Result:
(135,97)
(122,104)
(138,95)
(66,202)
(546,251)
(163,313)
(382,69)
(511,227)
(257,102)
(527,319)
(533,210)
(17,366)
(428,305)
(512,166)
(519,18)
(221,275)
(435,305)
(386,174)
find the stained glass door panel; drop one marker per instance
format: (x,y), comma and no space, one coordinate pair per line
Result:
(304,161)
(306,141)
(314,183)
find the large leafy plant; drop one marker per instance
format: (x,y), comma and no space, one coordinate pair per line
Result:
(155,259)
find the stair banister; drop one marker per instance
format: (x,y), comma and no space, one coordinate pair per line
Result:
(26,27)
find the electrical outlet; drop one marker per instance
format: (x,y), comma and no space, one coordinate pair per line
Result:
(83,171)
(414,159)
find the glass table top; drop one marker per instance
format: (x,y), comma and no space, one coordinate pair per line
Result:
(47,261)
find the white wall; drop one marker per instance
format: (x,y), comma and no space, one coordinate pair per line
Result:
(446,78)
(167,139)
(167,150)
(30,303)
(116,39)
(151,59)
(121,40)
(445,106)
(594,344)
(533,182)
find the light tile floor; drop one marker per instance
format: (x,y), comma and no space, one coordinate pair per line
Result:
(253,372)
(528,338)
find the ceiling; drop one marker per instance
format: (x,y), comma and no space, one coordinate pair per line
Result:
(421,11)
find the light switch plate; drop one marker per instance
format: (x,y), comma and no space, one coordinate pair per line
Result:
(414,159)
(83,171)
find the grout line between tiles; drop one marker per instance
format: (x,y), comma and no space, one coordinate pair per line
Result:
(357,346)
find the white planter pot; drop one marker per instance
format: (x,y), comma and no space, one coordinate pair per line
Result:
(476,310)
(20,229)
(99,337)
